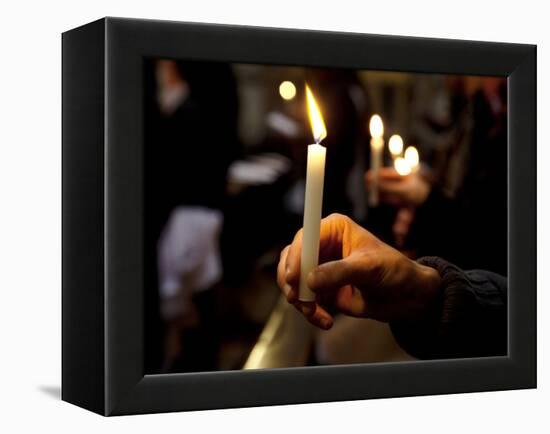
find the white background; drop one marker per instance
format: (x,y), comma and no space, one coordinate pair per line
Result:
(30,215)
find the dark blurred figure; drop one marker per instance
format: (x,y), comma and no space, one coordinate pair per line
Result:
(463,215)
(476,213)
(190,141)
(192,132)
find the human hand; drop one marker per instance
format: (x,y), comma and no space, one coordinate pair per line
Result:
(358,275)
(398,190)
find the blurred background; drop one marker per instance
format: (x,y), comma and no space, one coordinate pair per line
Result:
(225,164)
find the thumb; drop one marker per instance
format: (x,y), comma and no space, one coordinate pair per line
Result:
(332,275)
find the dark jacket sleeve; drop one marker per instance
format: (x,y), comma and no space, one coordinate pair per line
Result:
(469,319)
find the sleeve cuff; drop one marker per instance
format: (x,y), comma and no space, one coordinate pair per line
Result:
(432,336)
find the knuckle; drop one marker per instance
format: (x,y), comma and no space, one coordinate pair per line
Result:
(338,216)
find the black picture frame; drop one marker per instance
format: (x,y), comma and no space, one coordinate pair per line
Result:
(103,308)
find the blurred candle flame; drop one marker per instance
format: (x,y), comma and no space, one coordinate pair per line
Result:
(396,145)
(412,157)
(376,127)
(287,90)
(402,166)
(315,117)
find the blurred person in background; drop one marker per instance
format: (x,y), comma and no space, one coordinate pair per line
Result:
(192,134)
(460,212)
(189,269)
(191,138)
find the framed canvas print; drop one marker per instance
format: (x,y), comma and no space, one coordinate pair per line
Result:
(257,216)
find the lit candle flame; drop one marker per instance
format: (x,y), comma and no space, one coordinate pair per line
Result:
(396,145)
(402,166)
(411,155)
(315,117)
(376,127)
(409,163)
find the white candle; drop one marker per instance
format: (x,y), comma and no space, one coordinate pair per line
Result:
(376,128)
(313,202)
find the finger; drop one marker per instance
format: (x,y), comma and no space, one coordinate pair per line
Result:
(334,229)
(281,276)
(331,276)
(384,174)
(345,297)
(391,187)
(292,268)
(315,314)
(389,174)
(350,301)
